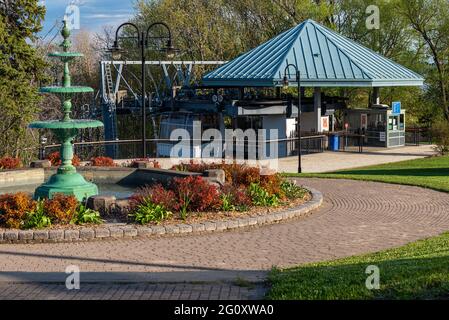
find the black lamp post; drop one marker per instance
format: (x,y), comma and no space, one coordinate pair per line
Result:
(285,83)
(142,40)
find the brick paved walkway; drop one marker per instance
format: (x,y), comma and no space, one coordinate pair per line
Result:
(130,291)
(356,217)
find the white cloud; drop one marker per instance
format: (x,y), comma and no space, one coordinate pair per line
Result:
(107,16)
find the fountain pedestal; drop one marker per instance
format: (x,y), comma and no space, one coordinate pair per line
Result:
(66,180)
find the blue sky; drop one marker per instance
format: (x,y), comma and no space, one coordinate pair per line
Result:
(93,13)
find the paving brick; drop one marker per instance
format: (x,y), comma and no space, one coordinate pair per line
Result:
(144,231)
(210,226)
(116,232)
(252,221)
(221,225)
(87,233)
(232,224)
(171,229)
(356,217)
(158,230)
(198,227)
(185,228)
(26,235)
(129,232)
(261,219)
(243,222)
(102,233)
(11,235)
(71,234)
(56,234)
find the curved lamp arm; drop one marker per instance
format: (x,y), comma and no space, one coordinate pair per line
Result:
(123,25)
(285,80)
(158,24)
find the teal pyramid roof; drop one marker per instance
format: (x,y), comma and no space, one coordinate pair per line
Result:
(324,58)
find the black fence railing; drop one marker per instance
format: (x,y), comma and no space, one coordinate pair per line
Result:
(131,149)
(417,135)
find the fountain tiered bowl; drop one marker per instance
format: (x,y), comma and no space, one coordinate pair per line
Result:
(66,181)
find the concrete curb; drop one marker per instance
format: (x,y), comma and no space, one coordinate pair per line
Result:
(122,231)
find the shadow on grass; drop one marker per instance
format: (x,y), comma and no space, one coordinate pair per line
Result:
(418,278)
(415,172)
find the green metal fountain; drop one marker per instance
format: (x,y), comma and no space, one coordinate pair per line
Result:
(66,180)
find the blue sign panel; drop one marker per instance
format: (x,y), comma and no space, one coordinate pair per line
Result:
(396,107)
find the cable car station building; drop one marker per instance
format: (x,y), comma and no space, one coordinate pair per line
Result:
(248,90)
(324,59)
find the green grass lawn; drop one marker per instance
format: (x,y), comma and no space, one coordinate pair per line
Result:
(427,172)
(418,270)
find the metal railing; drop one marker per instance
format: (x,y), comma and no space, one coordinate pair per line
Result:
(417,135)
(131,149)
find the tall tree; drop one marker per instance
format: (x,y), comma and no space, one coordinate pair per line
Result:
(430,19)
(21,69)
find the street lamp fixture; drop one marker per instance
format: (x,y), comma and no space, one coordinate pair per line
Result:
(285,84)
(143,43)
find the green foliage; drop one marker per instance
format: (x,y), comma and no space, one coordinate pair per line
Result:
(37,219)
(428,173)
(261,197)
(85,215)
(440,135)
(226,202)
(292,191)
(147,212)
(21,69)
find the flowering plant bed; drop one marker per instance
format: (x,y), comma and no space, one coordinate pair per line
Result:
(20,211)
(246,192)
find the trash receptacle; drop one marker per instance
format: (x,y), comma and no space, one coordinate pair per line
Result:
(334,142)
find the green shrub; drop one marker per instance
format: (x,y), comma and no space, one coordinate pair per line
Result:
(85,215)
(292,191)
(36,219)
(440,135)
(261,197)
(226,202)
(147,212)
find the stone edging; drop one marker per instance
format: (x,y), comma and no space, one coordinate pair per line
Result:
(132,231)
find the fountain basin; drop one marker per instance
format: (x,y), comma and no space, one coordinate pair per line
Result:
(70,124)
(66,90)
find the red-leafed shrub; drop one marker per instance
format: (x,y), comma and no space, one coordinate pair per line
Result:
(195,194)
(61,208)
(164,197)
(55,159)
(235,173)
(155,163)
(194,166)
(10,163)
(237,196)
(157,194)
(102,162)
(14,208)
